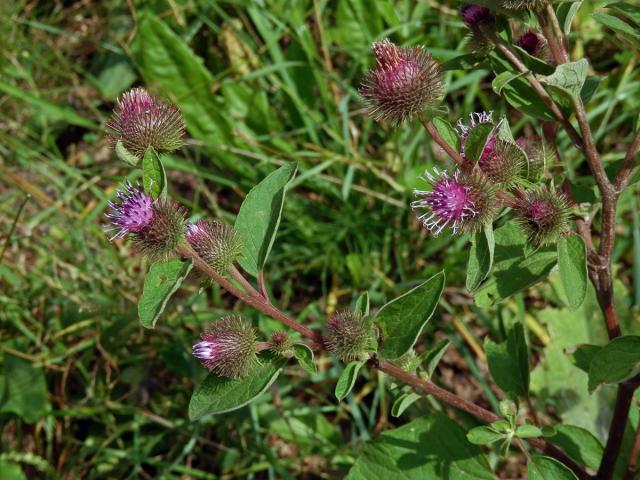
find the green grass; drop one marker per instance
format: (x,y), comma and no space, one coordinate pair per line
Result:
(85,391)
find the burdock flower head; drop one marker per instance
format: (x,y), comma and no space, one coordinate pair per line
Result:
(141,120)
(155,226)
(350,335)
(534,44)
(523,4)
(405,82)
(280,344)
(539,154)
(543,214)
(501,161)
(218,244)
(462,201)
(481,21)
(228,348)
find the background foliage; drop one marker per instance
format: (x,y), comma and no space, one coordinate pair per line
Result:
(87,392)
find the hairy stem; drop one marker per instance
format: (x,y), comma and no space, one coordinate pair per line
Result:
(616,431)
(414,381)
(624,174)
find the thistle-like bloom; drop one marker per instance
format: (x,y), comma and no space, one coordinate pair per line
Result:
(523,4)
(538,153)
(218,244)
(228,348)
(476,16)
(462,201)
(280,344)
(350,335)
(534,44)
(141,120)
(155,226)
(132,212)
(502,162)
(404,83)
(543,214)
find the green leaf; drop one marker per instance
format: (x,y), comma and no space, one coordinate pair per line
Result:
(401,320)
(583,355)
(432,447)
(124,154)
(362,304)
(570,77)
(566,11)
(403,402)
(347,379)
(432,357)
(627,30)
(154,178)
(528,431)
(632,12)
(304,355)
(513,270)
(480,257)
(509,361)
(162,281)
(546,468)
(617,361)
(579,444)
(23,389)
(572,261)
(259,217)
(503,79)
(447,132)
(483,435)
(11,471)
(476,140)
(221,394)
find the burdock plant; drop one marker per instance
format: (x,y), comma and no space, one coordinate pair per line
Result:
(517,202)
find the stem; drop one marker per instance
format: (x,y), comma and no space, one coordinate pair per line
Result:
(409,378)
(616,431)
(556,51)
(562,38)
(233,271)
(539,89)
(433,132)
(622,180)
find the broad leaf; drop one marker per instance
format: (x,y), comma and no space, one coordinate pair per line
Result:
(362,304)
(528,431)
(304,355)
(162,281)
(509,361)
(483,435)
(616,362)
(480,257)
(221,394)
(513,270)
(566,11)
(347,379)
(259,217)
(572,260)
(583,355)
(23,389)
(618,25)
(579,444)
(401,320)
(476,140)
(154,178)
(432,447)
(570,77)
(546,468)
(433,356)
(632,12)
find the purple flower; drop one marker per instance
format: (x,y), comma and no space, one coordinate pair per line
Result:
(141,120)
(461,201)
(543,214)
(534,44)
(228,348)
(132,213)
(404,83)
(475,16)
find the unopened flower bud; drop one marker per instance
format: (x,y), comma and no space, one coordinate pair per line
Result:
(502,162)
(141,120)
(405,82)
(462,201)
(539,154)
(155,226)
(534,44)
(228,348)
(280,344)
(543,214)
(475,16)
(350,335)
(218,244)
